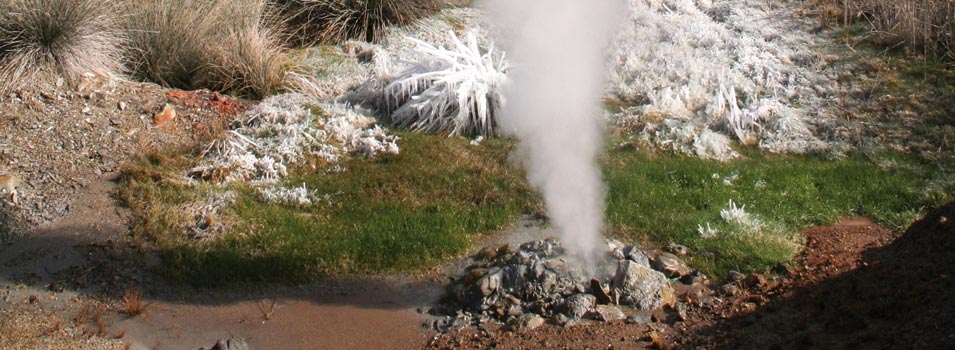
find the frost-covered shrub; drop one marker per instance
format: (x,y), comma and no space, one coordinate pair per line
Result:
(455,90)
(728,66)
(281,131)
(708,231)
(735,220)
(686,138)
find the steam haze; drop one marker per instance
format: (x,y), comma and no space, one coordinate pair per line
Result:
(556,48)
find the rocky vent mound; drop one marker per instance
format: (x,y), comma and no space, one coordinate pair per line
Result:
(524,286)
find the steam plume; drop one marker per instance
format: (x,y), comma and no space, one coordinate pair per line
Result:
(557,51)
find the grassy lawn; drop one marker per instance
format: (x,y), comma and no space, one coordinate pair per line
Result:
(662,199)
(427,205)
(392,213)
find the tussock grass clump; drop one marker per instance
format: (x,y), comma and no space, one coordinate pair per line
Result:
(226,45)
(923,26)
(168,39)
(133,302)
(65,38)
(334,21)
(251,60)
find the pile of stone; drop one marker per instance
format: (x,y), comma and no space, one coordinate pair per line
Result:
(525,286)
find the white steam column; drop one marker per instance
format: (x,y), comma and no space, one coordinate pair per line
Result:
(557,51)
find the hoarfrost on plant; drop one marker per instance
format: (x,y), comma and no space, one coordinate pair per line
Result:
(456,90)
(732,67)
(281,131)
(297,196)
(737,215)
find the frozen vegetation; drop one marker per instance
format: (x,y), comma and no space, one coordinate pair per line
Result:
(285,130)
(456,90)
(700,75)
(711,67)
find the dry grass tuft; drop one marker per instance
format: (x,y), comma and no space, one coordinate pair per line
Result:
(267,309)
(133,302)
(334,21)
(251,60)
(225,45)
(168,39)
(925,27)
(64,38)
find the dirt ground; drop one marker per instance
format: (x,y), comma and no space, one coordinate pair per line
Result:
(854,286)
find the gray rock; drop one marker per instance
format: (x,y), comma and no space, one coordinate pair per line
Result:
(638,256)
(527,322)
(613,244)
(670,265)
(229,344)
(561,319)
(490,282)
(618,254)
(734,276)
(640,318)
(641,287)
(695,277)
(681,311)
(603,297)
(729,289)
(578,305)
(515,310)
(608,313)
(678,249)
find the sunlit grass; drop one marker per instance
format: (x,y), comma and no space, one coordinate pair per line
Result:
(426,206)
(392,213)
(663,198)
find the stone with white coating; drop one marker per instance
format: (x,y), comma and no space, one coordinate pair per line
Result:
(641,287)
(670,265)
(578,305)
(608,313)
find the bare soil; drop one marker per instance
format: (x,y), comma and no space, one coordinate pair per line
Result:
(66,251)
(857,287)
(56,139)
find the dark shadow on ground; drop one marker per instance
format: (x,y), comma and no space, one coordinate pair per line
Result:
(92,252)
(900,296)
(65,261)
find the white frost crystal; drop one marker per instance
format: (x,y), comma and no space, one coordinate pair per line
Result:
(734,67)
(298,196)
(738,216)
(457,90)
(283,130)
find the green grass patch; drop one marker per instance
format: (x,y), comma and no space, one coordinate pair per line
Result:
(429,204)
(392,213)
(661,199)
